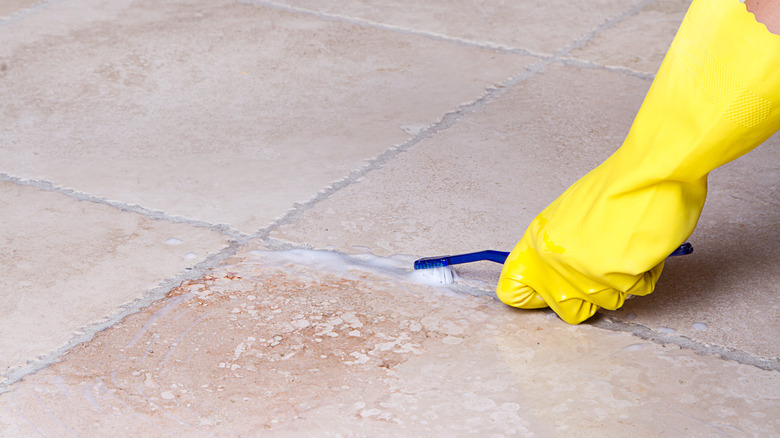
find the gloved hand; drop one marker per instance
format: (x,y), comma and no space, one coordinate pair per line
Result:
(715,98)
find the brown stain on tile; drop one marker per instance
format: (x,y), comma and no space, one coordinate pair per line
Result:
(236,351)
(273,348)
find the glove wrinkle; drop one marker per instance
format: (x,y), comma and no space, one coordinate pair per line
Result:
(714,99)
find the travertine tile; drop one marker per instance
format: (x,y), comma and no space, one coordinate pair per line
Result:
(265,347)
(478,184)
(640,41)
(542,27)
(726,292)
(69,263)
(223,112)
(10,7)
(231,111)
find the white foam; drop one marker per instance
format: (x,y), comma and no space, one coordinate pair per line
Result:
(442,275)
(397,267)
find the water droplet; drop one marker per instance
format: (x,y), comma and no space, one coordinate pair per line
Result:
(174,241)
(665,330)
(634,347)
(699,326)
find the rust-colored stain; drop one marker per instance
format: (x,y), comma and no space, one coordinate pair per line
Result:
(233,352)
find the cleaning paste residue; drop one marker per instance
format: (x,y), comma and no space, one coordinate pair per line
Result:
(397,267)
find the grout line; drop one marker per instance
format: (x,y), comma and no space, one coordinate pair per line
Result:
(130,208)
(584,64)
(643,332)
(448,120)
(393,28)
(613,324)
(274,244)
(298,209)
(87,333)
(24,13)
(580,42)
(558,57)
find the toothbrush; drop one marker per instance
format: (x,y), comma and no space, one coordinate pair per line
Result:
(443,263)
(440,262)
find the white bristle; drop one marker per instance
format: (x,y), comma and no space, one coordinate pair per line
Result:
(442,275)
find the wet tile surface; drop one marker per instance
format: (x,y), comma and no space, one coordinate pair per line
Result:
(70,263)
(266,346)
(170,108)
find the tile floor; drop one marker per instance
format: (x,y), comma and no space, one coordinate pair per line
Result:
(210,209)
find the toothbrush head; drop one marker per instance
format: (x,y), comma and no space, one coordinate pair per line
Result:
(437,276)
(431,263)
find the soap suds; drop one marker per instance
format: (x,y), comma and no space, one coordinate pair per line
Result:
(397,267)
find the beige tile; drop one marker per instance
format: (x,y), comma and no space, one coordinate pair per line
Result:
(726,292)
(478,184)
(69,263)
(268,347)
(541,27)
(52,18)
(639,42)
(10,7)
(223,112)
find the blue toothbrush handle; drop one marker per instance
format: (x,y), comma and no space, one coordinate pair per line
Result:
(684,249)
(489,255)
(500,256)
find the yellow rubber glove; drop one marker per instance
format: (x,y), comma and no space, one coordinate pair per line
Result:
(715,98)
